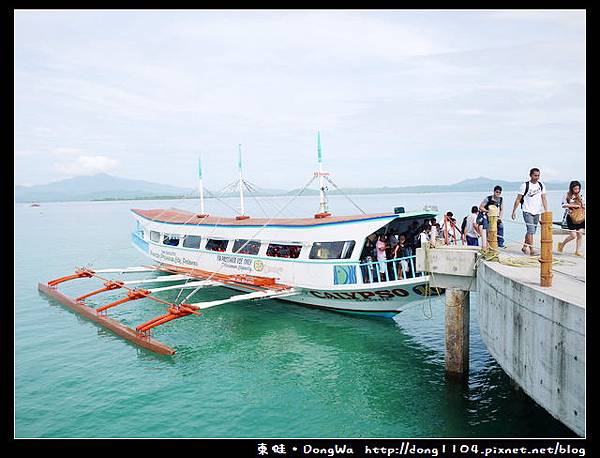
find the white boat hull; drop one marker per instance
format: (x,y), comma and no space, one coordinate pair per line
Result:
(337,285)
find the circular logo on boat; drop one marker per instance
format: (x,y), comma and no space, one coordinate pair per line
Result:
(258,265)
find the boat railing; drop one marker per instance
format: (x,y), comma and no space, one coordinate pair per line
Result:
(373,271)
(393,269)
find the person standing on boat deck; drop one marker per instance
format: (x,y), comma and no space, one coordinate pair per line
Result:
(397,253)
(366,259)
(471,231)
(572,200)
(412,235)
(423,237)
(497,200)
(532,198)
(392,241)
(402,250)
(381,256)
(433,232)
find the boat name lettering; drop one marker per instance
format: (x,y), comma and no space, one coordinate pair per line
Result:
(234,260)
(172,257)
(362,295)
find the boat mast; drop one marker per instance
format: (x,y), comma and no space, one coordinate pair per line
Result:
(323,212)
(201,186)
(241,184)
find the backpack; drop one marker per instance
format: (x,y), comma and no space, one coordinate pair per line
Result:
(498,204)
(480,217)
(578,214)
(527,190)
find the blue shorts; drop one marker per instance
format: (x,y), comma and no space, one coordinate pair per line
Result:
(472,241)
(531,221)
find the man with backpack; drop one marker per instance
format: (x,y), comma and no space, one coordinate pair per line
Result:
(494,199)
(532,198)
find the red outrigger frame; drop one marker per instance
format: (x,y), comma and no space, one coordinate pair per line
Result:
(141,335)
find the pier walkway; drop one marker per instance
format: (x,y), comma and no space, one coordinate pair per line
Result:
(537,334)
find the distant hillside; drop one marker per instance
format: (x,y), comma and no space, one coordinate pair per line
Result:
(107,187)
(101,186)
(470,185)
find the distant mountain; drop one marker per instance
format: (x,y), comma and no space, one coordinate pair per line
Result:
(481,184)
(96,187)
(107,187)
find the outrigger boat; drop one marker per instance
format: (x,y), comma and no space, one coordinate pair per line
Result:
(324,262)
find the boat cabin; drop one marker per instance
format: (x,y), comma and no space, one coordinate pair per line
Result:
(335,240)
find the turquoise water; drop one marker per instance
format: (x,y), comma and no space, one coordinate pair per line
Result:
(263,369)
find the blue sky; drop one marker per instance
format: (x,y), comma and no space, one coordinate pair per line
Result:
(401,97)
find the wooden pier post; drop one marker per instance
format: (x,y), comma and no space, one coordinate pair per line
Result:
(457,332)
(546,251)
(492,234)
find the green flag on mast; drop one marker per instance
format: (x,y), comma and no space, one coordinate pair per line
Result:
(240,157)
(319,146)
(199,166)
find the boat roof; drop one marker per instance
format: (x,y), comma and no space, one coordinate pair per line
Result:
(175,216)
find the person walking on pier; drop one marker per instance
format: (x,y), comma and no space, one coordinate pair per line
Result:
(574,205)
(495,199)
(532,198)
(471,230)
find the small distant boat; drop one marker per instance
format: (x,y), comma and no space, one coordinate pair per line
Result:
(34,205)
(325,261)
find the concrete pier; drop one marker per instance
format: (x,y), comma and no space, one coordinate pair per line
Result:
(535,333)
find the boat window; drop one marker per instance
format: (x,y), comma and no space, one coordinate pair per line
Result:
(171,239)
(332,250)
(192,241)
(246,246)
(278,250)
(216,245)
(154,236)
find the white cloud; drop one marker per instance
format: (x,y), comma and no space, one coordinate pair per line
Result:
(86,165)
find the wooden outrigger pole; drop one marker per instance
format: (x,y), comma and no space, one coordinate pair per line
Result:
(141,335)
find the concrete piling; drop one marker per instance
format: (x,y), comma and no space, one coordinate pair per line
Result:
(457,332)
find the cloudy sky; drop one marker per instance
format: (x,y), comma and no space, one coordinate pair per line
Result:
(400,97)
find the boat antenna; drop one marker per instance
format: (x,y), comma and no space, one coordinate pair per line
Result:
(241,185)
(323,211)
(200,185)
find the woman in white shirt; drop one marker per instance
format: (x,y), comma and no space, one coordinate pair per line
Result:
(572,200)
(381,246)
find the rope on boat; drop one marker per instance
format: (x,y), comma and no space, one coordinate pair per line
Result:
(345,195)
(256,233)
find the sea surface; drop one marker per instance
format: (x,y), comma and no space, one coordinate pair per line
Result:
(266,369)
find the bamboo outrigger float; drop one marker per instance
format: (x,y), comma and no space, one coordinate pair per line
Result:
(316,262)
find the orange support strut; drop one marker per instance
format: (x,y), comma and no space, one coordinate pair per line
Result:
(78,274)
(131,296)
(174,312)
(109,285)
